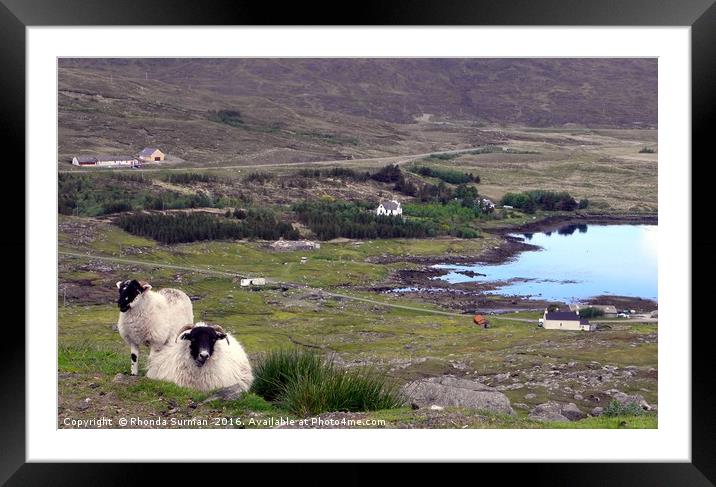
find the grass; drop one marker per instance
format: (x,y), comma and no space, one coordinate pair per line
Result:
(303,383)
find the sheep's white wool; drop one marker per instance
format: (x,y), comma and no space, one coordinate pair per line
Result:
(155,318)
(228,365)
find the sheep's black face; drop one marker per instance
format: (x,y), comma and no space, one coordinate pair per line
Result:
(128,290)
(202,340)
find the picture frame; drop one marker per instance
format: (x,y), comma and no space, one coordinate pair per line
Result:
(17,15)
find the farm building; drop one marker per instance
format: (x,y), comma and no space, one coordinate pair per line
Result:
(84,161)
(565,320)
(105,161)
(151,154)
(389,207)
(255,281)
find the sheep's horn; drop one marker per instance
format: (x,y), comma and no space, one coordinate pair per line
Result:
(218,328)
(183,329)
(221,330)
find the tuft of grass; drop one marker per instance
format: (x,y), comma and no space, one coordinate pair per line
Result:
(282,367)
(303,383)
(615,408)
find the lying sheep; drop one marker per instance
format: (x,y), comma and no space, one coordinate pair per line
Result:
(150,317)
(202,357)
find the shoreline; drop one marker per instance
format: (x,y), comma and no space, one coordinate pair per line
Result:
(471,296)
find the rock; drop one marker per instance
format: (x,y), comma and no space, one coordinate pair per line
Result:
(530,396)
(93,385)
(548,411)
(554,411)
(637,399)
(230,393)
(449,391)
(83,405)
(597,411)
(120,378)
(578,397)
(502,377)
(436,408)
(572,412)
(520,405)
(414,406)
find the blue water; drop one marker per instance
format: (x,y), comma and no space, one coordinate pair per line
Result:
(576,262)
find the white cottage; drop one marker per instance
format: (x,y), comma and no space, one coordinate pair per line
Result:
(255,281)
(565,320)
(389,208)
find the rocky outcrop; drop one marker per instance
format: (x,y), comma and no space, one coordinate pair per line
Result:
(449,391)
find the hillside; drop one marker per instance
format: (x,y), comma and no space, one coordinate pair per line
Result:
(253,111)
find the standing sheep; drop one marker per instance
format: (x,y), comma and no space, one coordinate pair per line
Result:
(203,357)
(150,317)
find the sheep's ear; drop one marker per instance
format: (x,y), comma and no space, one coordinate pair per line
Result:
(119,284)
(184,333)
(221,336)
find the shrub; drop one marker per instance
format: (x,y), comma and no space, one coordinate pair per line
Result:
(258,177)
(615,408)
(591,312)
(188,178)
(647,150)
(305,384)
(229,117)
(388,174)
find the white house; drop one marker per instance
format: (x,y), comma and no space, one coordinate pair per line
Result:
(255,281)
(565,320)
(389,207)
(151,154)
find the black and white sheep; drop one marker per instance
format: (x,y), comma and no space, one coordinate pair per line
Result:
(150,317)
(203,357)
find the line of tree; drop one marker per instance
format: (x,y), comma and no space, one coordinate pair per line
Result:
(189,178)
(328,220)
(448,175)
(335,172)
(531,201)
(191,227)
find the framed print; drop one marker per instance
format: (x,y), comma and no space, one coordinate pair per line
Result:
(441,234)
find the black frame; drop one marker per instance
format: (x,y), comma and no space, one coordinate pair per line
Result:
(700,15)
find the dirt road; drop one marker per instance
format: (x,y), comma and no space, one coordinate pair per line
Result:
(379,160)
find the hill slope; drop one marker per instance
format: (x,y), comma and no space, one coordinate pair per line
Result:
(291,110)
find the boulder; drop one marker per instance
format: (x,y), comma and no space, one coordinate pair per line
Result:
(449,391)
(230,393)
(637,399)
(597,411)
(572,412)
(548,411)
(555,411)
